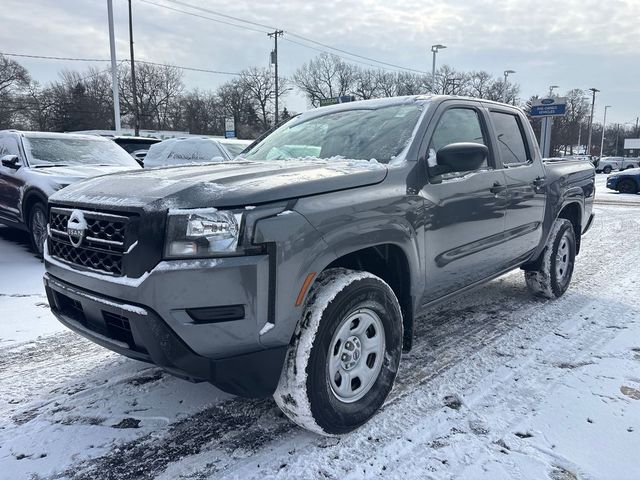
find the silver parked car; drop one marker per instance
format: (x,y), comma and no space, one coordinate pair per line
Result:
(608,164)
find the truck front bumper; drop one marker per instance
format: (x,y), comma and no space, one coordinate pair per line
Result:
(198,320)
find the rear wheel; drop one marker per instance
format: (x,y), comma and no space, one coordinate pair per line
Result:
(38,227)
(627,186)
(345,353)
(555,268)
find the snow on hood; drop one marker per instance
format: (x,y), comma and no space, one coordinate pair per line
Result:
(233,183)
(82,171)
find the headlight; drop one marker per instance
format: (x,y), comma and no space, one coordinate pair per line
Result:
(201,233)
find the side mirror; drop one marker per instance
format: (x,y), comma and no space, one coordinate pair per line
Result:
(11,161)
(459,157)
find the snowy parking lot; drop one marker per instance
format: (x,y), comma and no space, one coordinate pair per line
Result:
(498,385)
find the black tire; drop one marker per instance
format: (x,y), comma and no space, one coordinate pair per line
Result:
(306,392)
(626,185)
(555,267)
(38,228)
(606,170)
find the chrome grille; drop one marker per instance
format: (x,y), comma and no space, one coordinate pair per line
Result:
(103,246)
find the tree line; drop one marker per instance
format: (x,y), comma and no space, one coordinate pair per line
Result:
(83,100)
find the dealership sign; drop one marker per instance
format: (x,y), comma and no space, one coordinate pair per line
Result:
(229,128)
(549,107)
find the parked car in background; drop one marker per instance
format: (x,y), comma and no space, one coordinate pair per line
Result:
(302,277)
(34,165)
(234,146)
(608,164)
(137,147)
(186,150)
(626,181)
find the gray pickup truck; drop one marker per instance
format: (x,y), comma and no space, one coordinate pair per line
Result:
(298,269)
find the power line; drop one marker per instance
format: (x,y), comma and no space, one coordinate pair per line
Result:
(270,27)
(202,16)
(73,59)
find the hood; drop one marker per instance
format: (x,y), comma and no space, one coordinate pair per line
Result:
(74,173)
(228,184)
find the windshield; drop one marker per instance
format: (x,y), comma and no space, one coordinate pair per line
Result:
(235,148)
(43,151)
(184,151)
(379,134)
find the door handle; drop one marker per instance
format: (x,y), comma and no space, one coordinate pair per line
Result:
(497,188)
(539,182)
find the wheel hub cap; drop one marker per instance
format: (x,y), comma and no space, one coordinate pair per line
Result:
(355,355)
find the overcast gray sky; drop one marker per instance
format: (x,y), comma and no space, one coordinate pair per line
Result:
(570,43)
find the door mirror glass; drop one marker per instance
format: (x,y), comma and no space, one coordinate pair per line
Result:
(460,157)
(11,161)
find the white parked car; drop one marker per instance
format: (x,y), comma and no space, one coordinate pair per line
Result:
(185,150)
(608,164)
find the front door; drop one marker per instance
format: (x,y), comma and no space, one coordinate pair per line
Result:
(465,211)
(10,181)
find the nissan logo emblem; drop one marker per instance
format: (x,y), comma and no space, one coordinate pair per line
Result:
(76,228)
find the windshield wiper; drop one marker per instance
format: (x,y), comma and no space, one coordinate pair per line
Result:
(47,165)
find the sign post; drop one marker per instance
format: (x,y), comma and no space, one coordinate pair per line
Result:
(229,128)
(547,108)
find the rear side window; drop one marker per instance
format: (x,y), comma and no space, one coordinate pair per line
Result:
(510,135)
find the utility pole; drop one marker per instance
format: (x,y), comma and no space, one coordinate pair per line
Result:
(593,103)
(134,90)
(114,70)
(604,125)
(274,60)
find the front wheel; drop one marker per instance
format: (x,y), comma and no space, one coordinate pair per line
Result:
(627,186)
(555,268)
(606,170)
(38,228)
(344,356)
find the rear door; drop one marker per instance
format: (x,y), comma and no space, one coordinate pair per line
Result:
(10,180)
(464,211)
(525,177)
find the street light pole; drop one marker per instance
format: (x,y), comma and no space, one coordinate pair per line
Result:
(134,90)
(593,103)
(114,70)
(604,124)
(551,89)
(504,87)
(434,49)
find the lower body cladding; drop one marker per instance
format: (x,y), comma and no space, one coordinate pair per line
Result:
(204,325)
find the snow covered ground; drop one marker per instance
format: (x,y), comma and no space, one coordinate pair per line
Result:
(499,385)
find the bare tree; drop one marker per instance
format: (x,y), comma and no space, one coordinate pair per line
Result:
(261,85)
(325,76)
(158,88)
(366,83)
(13,76)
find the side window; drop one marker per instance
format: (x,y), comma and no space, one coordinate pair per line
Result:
(511,142)
(456,125)
(8,146)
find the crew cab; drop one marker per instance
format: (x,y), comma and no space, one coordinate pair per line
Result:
(33,165)
(297,270)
